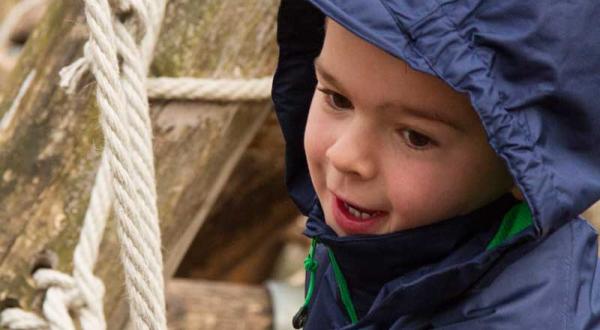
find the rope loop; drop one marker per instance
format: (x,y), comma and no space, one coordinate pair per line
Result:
(17,319)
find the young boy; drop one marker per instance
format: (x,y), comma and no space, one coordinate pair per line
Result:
(442,151)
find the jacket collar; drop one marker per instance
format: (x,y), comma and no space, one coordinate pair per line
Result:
(409,266)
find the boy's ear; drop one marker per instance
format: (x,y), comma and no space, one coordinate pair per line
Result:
(516,192)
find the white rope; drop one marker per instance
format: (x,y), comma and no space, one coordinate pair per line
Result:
(126,172)
(141,255)
(61,295)
(137,222)
(91,315)
(18,319)
(183,88)
(210,89)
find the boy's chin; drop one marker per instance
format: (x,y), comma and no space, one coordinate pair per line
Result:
(335,228)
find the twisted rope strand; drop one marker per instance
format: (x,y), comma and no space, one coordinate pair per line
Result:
(91,316)
(133,76)
(18,319)
(210,89)
(140,255)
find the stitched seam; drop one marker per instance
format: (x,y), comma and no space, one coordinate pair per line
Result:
(569,285)
(398,24)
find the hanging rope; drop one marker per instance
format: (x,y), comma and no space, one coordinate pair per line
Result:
(124,116)
(126,173)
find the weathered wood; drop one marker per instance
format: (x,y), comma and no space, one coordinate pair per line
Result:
(27,22)
(7,59)
(206,305)
(6,6)
(50,150)
(244,233)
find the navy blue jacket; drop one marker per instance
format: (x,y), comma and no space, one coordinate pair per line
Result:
(532,72)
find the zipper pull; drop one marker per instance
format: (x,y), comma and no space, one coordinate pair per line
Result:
(300,318)
(310,264)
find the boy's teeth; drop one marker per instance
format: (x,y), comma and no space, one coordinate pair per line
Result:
(357,213)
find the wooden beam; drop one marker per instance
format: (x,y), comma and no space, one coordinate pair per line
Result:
(245,231)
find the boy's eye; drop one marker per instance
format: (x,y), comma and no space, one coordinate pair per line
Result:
(336,100)
(340,101)
(415,139)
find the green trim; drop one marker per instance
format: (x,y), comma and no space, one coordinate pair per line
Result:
(343,286)
(310,264)
(517,219)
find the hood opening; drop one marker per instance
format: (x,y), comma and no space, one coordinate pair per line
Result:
(537,105)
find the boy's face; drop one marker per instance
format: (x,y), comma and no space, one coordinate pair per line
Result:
(390,148)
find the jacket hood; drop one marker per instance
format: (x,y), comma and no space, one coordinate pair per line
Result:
(530,69)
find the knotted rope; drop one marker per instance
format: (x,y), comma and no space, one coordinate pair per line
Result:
(126,172)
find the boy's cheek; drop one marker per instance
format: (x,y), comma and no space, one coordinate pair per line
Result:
(315,147)
(423,195)
(317,136)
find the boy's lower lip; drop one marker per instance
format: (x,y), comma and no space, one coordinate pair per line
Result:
(352,225)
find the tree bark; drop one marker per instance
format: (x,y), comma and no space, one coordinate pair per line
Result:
(51,144)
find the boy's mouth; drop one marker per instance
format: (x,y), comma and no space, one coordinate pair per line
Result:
(359,212)
(354,219)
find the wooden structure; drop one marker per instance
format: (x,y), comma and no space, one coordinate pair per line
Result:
(49,148)
(250,223)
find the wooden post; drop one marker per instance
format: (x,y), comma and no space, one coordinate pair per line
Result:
(50,142)
(203,305)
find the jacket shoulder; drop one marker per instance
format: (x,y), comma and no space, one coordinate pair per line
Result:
(553,285)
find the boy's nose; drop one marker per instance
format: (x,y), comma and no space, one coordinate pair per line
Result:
(351,154)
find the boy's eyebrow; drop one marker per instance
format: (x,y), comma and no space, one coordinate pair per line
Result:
(387,106)
(416,112)
(326,75)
